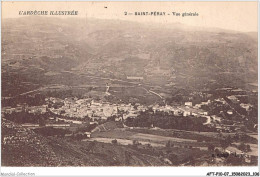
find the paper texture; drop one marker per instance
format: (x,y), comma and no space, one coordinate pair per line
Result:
(129,84)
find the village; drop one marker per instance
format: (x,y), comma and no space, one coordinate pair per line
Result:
(65,112)
(220,126)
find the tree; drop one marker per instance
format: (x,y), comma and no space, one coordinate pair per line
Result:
(211,147)
(149,145)
(217,152)
(233,160)
(229,139)
(224,144)
(244,147)
(114,141)
(248,148)
(173,158)
(168,144)
(91,146)
(111,118)
(135,143)
(42,122)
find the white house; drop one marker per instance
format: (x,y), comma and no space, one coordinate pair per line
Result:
(188,104)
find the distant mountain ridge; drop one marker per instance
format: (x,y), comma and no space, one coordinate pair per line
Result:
(113,48)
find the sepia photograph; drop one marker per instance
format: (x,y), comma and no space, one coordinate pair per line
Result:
(129,84)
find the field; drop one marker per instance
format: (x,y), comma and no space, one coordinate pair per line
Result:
(160,137)
(124,141)
(127,137)
(32,149)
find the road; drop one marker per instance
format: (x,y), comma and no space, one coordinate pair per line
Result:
(39,89)
(227,100)
(150,91)
(208,120)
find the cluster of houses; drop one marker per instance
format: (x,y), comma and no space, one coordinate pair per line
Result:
(100,110)
(24,107)
(81,108)
(95,110)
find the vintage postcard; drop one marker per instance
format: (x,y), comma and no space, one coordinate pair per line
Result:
(129,84)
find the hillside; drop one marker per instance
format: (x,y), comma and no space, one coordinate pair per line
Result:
(38,51)
(23,147)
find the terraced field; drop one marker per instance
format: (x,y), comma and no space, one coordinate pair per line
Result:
(156,138)
(31,149)
(125,137)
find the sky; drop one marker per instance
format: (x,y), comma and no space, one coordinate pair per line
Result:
(238,16)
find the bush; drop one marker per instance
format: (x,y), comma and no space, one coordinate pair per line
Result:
(114,141)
